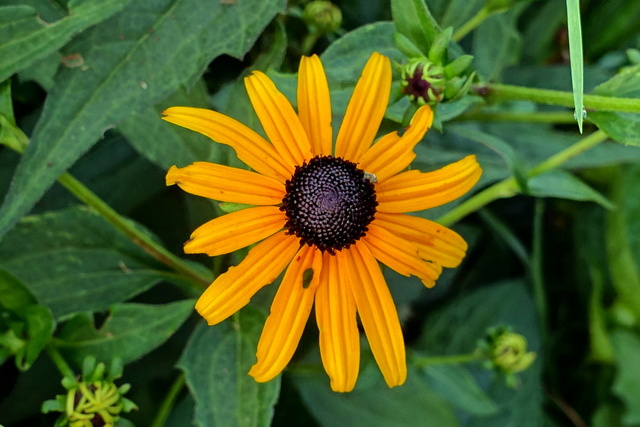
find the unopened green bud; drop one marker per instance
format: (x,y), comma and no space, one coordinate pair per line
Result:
(322,16)
(509,353)
(423,82)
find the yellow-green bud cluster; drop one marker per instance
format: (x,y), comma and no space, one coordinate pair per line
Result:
(322,17)
(506,353)
(91,399)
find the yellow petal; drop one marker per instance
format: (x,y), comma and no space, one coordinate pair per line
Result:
(279,120)
(365,110)
(250,147)
(435,242)
(336,318)
(400,255)
(227,184)
(289,313)
(232,290)
(314,105)
(392,153)
(415,191)
(235,230)
(378,314)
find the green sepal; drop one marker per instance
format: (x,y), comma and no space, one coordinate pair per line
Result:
(458,66)
(438,50)
(406,46)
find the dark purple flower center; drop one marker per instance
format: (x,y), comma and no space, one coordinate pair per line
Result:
(329,203)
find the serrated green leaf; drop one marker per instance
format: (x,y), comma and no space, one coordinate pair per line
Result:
(25,38)
(130,331)
(216,363)
(125,68)
(412,404)
(73,260)
(413,20)
(626,385)
(562,184)
(456,385)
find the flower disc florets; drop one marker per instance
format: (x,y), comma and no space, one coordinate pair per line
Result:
(329,203)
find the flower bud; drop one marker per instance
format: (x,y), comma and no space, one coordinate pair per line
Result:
(322,16)
(423,81)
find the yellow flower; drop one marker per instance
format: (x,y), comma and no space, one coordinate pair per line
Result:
(327,220)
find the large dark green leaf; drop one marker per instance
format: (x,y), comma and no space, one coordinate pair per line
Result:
(413,404)
(413,20)
(216,362)
(73,260)
(496,45)
(125,68)
(25,37)
(130,331)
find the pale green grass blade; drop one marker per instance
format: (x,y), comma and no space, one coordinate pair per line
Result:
(575,53)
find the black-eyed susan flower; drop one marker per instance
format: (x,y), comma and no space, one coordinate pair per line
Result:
(325,214)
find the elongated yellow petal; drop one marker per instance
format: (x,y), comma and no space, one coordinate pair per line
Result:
(232,290)
(400,255)
(279,120)
(392,153)
(289,313)
(378,314)
(314,105)
(415,191)
(235,230)
(250,147)
(227,184)
(435,242)
(365,110)
(336,318)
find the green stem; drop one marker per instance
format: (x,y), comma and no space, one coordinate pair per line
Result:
(471,24)
(59,361)
(556,117)
(502,92)
(446,360)
(127,227)
(537,276)
(197,280)
(169,402)
(509,187)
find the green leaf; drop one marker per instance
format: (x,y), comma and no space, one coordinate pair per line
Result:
(623,238)
(412,404)
(622,127)
(39,327)
(496,45)
(216,362)
(166,144)
(413,20)
(459,387)
(73,260)
(125,69)
(129,332)
(25,38)
(455,329)
(575,55)
(562,184)
(627,382)
(14,295)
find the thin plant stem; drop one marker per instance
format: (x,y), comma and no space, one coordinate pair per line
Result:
(196,279)
(456,359)
(502,92)
(169,402)
(59,361)
(555,117)
(471,24)
(537,277)
(509,187)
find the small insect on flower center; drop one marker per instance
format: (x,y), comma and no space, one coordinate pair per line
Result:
(329,203)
